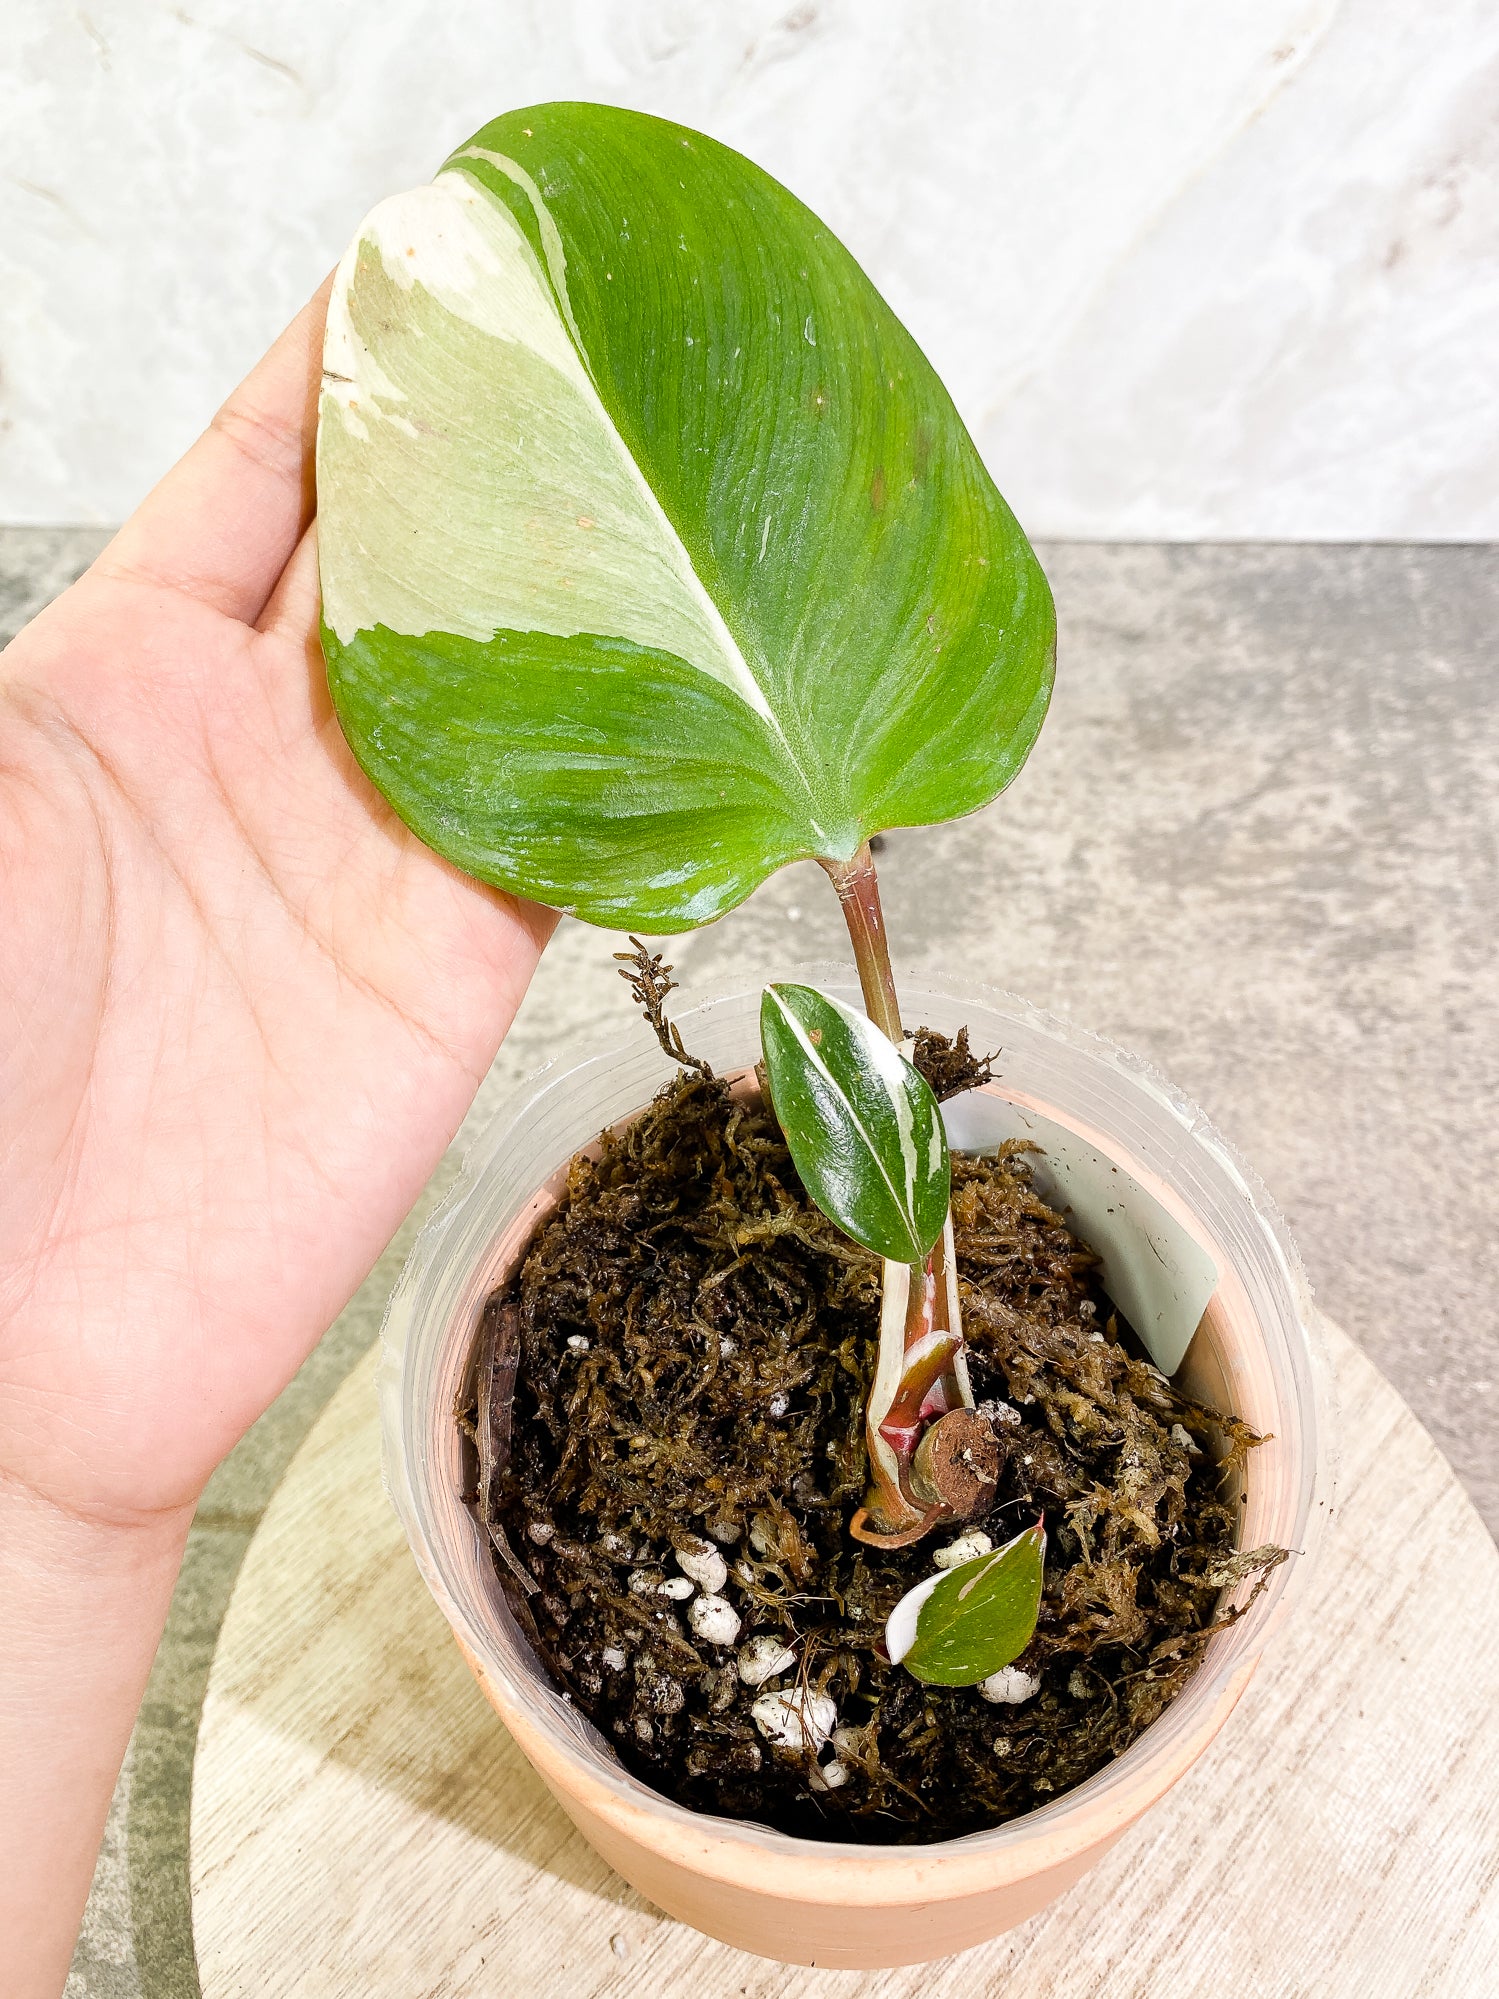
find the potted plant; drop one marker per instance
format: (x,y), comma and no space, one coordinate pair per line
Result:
(852,1578)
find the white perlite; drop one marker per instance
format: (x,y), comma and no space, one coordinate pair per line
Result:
(705,1565)
(762,1658)
(828,1776)
(964,1549)
(678,1588)
(998,1413)
(714,1619)
(614,1658)
(795,1720)
(1010,1685)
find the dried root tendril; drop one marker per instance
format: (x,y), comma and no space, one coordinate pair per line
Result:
(650,981)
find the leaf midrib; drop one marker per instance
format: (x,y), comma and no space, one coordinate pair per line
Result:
(556,283)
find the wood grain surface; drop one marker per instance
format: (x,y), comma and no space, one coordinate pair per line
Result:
(361,1824)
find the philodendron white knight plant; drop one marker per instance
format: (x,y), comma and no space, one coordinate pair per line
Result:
(655,556)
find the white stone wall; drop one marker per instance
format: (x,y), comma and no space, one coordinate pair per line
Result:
(1192,268)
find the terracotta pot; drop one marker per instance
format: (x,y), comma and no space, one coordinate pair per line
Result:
(803,1901)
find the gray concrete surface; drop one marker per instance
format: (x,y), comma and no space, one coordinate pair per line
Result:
(1258,842)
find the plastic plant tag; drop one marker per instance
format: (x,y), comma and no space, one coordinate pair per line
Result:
(956,1628)
(862,1123)
(1158,1275)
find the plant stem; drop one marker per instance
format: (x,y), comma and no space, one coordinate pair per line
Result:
(859,897)
(929,1299)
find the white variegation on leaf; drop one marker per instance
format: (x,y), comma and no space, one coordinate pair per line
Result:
(453,270)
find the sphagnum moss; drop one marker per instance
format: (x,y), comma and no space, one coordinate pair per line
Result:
(690,1343)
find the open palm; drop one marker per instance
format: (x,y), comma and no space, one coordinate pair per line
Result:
(244,1009)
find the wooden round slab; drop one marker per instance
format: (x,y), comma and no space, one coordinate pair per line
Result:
(361,1823)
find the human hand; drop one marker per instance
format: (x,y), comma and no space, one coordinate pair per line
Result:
(245,1009)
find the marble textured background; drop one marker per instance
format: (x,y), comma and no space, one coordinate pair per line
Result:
(1190,271)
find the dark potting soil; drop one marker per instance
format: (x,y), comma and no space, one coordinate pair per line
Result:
(689,1342)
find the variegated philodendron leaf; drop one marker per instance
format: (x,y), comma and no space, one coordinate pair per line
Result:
(654,555)
(957,1627)
(862,1124)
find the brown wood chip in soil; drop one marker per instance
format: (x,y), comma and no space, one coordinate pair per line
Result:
(689,1341)
(957,1464)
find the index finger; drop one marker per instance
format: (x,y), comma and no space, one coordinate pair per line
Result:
(224,521)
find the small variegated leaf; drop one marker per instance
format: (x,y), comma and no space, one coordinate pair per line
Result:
(861,1122)
(956,1628)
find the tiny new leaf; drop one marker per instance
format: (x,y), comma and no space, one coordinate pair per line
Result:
(861,1122)
(956,1628)
(654,555)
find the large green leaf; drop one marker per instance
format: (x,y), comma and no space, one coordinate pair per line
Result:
(654,555)
(861,1122)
